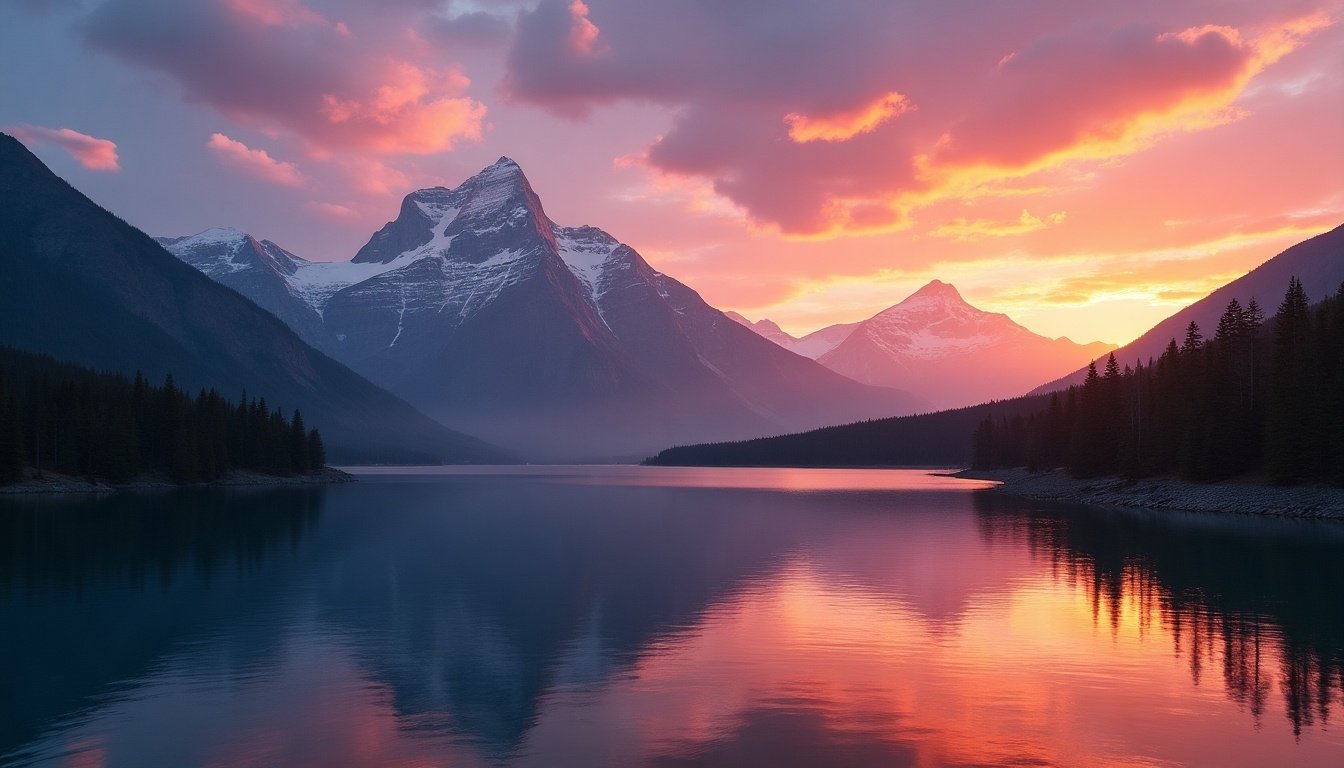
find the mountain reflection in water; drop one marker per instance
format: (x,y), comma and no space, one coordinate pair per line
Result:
(628,616)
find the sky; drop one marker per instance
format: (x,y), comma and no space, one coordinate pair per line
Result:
(1086,166)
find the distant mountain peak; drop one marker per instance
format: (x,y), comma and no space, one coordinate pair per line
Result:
(937,289)
(765,327)
(215,235)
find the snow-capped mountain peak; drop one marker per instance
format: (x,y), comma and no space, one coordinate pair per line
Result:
(222,251)
(467,223)
(474,305)
(936,296)
(938,345)
(936,321)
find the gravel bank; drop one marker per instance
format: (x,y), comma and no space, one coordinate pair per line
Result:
(54,483)
(1314,502)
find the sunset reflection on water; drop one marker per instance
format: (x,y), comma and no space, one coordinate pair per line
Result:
(483,620)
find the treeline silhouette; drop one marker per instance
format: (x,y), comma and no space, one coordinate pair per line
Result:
(68,419)
(929,439)
(1258,397)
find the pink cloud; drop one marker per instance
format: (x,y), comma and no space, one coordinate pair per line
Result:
(805,120)
(375,177)
(256,163)
(408,112)
(582,31)
(282,67)
(276,13)
(1085,89)
(334,210)
(91,152)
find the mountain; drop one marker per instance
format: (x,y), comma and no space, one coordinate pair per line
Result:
(86,287)
(260,270)
(559,341)
(819,342)
(766,328)
(813,345)
(940,348)
(1318,263)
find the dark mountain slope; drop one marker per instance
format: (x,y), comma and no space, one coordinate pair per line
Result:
(82,285)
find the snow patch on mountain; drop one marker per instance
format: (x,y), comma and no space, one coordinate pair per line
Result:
(217,251)
(588,253)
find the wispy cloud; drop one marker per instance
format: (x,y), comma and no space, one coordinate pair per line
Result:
(91,152)
(256,163)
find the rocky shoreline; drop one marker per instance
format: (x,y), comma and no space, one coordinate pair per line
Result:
(1238,498)
(56,483)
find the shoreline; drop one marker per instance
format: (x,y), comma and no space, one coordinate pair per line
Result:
(1235,498)
(56,483)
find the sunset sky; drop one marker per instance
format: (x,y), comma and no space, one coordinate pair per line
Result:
(1086,166)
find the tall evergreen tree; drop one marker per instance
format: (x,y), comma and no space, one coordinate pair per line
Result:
(1290,395)
(1194,340)
(298,444)
(317,452)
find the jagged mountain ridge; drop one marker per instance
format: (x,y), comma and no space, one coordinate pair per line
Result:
(562,341)
(260,270)
(939,347)
(83,286)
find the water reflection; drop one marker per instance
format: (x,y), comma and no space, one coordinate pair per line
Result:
(704,618)
(1257,601)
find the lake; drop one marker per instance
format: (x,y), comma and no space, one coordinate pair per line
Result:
(627,616)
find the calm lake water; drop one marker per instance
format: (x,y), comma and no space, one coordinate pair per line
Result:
(661,617)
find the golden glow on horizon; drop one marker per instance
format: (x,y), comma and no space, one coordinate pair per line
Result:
(1118,289)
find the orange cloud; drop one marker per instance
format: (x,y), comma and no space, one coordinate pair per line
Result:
(1187,81)
(256,163)
(847,125)
(92,153)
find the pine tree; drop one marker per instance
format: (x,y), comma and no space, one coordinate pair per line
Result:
(298,445)
(1290,397)
(1253,317)
(1112,367)
(1232,323)
(1194,340)
(317,452)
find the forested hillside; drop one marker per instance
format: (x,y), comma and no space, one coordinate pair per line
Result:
(71,420)
(1256,398)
